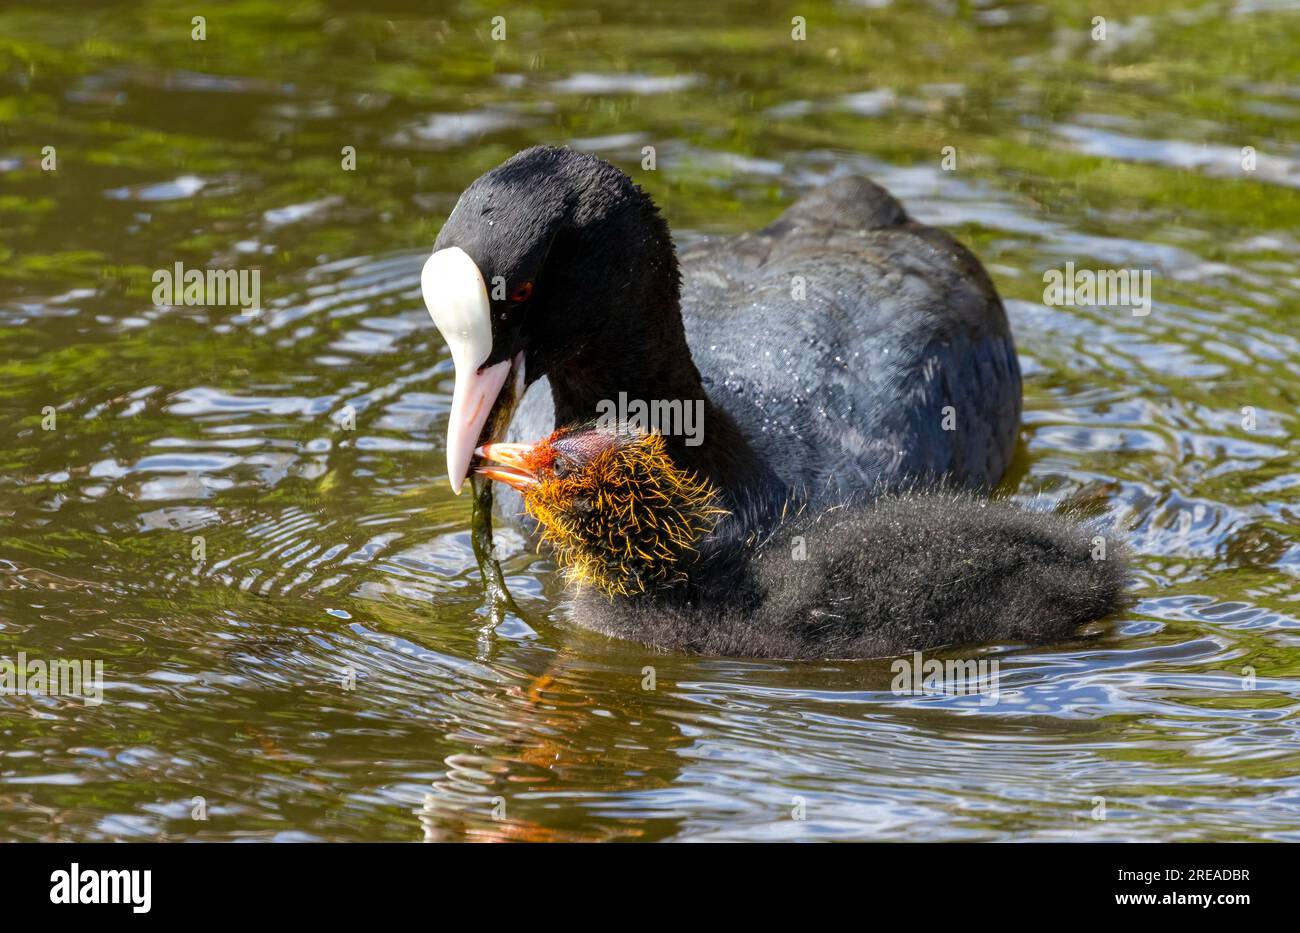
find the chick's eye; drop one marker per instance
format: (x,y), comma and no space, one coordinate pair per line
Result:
(522,292)
(562,466)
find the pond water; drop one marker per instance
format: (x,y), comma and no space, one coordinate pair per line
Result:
(245,517)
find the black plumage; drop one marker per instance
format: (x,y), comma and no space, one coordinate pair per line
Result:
(895,366)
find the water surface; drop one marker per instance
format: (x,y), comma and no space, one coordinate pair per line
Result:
(299,449)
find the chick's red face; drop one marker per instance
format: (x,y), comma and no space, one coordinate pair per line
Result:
(563,456)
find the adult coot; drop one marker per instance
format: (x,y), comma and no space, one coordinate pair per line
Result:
(658,559)
(844,347)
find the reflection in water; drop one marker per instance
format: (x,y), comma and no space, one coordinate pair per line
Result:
(245,517)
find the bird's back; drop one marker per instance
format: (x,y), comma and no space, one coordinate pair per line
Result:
(855,347)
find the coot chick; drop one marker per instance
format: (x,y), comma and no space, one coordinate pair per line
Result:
(656,558)
(843,347)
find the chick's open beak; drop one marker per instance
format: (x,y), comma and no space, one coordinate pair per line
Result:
(457,299)
(507,463)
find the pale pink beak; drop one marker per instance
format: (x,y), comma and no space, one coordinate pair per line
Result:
(471,402)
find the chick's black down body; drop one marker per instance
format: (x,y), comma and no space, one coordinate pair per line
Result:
(904,572)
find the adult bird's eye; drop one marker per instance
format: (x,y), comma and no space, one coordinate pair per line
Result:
(522,293)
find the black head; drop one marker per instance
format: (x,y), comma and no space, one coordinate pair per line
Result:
(547,255)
